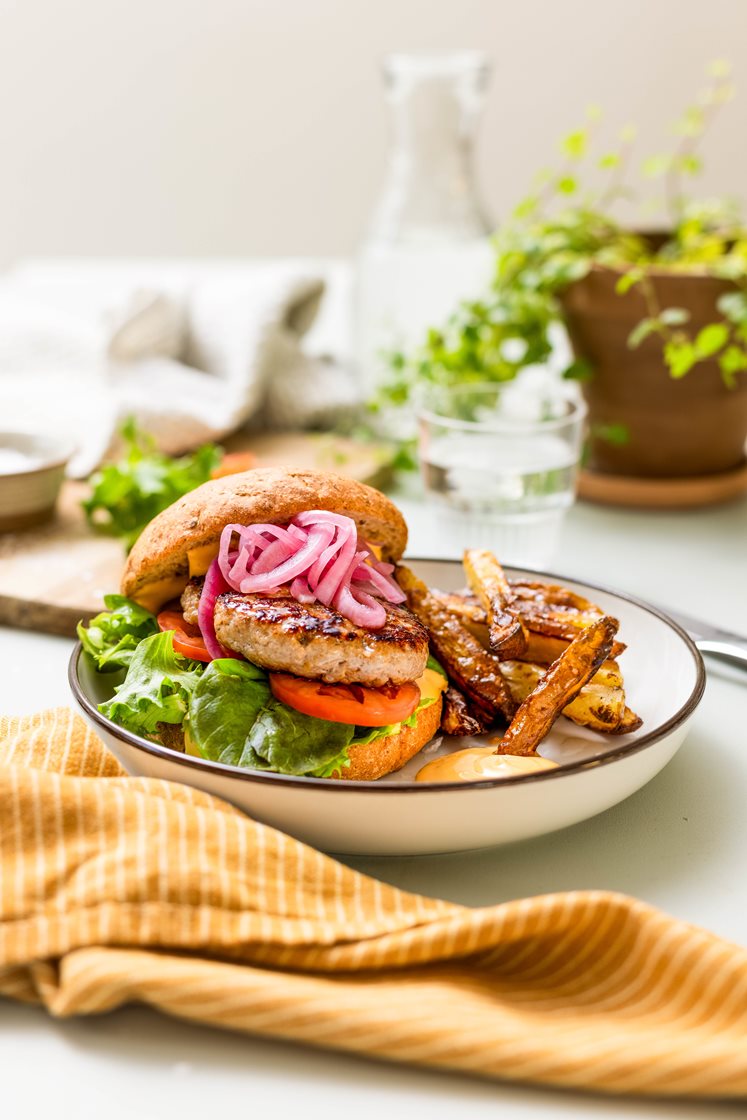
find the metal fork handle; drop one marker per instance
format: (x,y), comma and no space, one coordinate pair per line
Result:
(727,651)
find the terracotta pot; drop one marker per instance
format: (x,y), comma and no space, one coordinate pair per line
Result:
(677,428)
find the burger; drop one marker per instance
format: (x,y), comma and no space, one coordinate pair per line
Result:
(260,625)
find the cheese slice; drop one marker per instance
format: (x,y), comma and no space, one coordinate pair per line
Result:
(153,595)
(431,684)
(201,558)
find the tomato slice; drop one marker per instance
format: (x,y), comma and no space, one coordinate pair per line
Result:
(234,463)
(347,703)
(188,640)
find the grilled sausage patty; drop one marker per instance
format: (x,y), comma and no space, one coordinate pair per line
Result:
(276,632)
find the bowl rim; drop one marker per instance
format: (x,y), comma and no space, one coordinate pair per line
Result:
(681,716)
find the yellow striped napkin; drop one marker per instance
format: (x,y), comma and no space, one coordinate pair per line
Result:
(115,889)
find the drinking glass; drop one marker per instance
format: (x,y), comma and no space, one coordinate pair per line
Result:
(499,464)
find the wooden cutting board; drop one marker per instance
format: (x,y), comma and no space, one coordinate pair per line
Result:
(56,574)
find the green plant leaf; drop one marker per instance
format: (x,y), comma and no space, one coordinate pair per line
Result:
(578,370)
(642,330)
(689,164)
(711,339)
(731,362)
(674,316)
(680,357)
(575,144)
(616,434)
(655,166)
(691,122)
(628,280)
(733,306)
(719,68)
(157,688)
(567,184)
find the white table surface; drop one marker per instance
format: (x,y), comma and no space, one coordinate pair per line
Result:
(680,844)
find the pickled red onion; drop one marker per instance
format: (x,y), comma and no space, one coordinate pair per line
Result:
(213,586)
(319,556)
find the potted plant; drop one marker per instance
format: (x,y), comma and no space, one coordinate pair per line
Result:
(657,320)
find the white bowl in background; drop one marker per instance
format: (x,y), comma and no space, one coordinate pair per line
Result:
(664,677)
(32,470)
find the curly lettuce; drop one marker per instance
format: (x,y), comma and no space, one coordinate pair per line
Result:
(157,689)
(129,493)
(112,637)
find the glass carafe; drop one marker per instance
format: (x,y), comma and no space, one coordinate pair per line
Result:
(428,244)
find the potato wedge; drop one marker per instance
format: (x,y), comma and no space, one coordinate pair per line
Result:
(469,666)
(555,622)
(560,685)
(600,705)
(541,648)
(456,717)
(506,634)
(523,590)
(465,607)
(522,677)
(629,722)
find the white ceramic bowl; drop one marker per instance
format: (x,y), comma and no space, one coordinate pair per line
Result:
(30,485)
(664,678)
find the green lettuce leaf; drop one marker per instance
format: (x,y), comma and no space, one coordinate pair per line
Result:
(290,742)
(157,688)
(365,735)
(225,704)
(433,664)
(113,635)
(235,719)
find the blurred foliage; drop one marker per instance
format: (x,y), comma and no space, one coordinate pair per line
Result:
(560,230)
(127,494)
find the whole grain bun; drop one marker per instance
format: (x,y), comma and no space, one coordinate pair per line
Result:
(384,756)
(267,494)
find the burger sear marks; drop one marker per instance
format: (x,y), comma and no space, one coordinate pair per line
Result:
(278,633)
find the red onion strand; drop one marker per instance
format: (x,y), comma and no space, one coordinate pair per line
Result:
(319,557)
(213,586)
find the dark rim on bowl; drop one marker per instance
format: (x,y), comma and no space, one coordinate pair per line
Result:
(331,785)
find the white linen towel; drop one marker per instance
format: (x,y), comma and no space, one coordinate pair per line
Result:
(192,352)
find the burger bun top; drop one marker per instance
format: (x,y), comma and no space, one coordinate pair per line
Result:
(159,560)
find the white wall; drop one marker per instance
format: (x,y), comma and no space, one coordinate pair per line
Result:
(245,127)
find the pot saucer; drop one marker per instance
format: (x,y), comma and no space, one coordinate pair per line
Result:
(663,493)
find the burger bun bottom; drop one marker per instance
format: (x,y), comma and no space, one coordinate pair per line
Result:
(383,756)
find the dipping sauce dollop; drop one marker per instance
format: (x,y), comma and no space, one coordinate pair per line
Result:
(477,763)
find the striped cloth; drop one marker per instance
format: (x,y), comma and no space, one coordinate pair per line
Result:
(115,889)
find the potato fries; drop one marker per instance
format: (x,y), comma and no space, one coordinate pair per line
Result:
(469,666)
(506,634)
(559,686)
(548,631)
(521,650)
(599,705)
(456,717)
